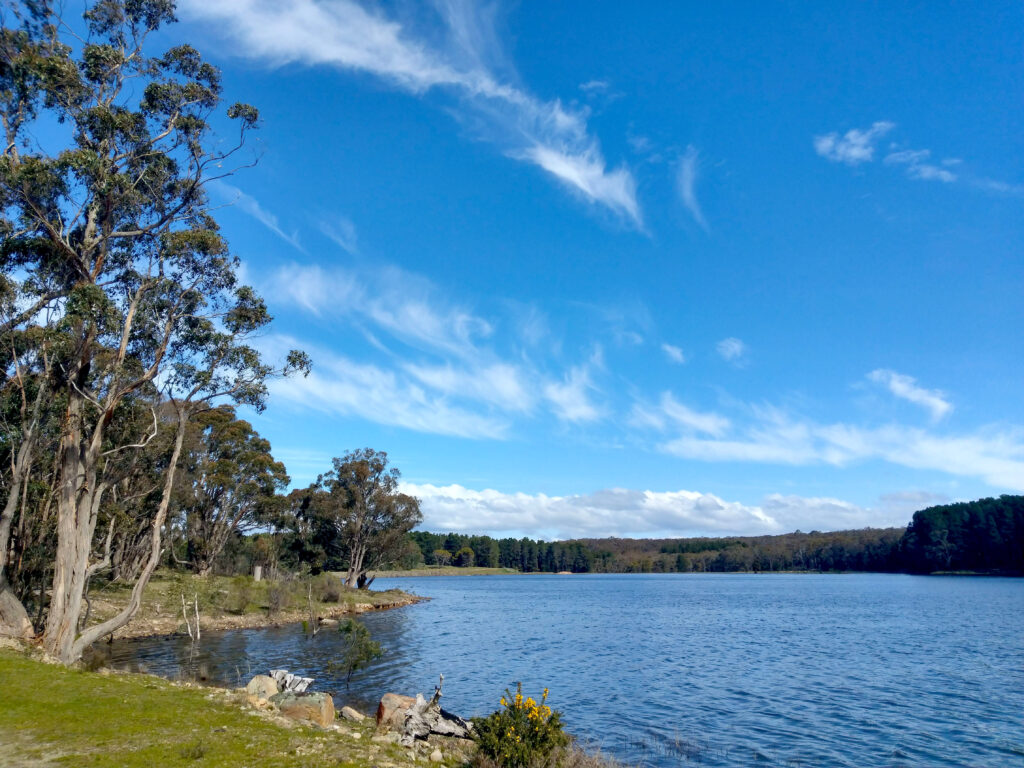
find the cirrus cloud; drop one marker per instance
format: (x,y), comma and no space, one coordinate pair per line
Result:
(350,37)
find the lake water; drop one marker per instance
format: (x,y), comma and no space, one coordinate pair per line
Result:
(715,670)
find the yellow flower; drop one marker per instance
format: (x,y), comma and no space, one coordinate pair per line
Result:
(503,702)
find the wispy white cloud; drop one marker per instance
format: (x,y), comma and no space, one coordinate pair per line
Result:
(594,86)
(407,306)
(342,231)
(928,172)
(441,361)
(906,388)
(673,353)
(854,147)
(774,436)
(231,195)
(340,386)
(732,349)
(346,35)
(670,414)
(570,398)
(500,384)
(918,167)
(686,184)
(585,172)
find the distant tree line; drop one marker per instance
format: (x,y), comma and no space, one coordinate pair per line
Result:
(984,536)
(526,555)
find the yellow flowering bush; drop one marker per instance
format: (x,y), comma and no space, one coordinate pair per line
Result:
(524,733)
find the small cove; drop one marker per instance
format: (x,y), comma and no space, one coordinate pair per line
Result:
(719,670)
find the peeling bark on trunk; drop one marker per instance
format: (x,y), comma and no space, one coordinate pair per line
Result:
(76,502)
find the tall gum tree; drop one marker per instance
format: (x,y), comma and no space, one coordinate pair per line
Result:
(112,233)
(367,514)
(226,483)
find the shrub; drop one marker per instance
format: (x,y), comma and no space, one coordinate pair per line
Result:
(327,588)
(357,649)
(278,597)
(523,733)
(239,595)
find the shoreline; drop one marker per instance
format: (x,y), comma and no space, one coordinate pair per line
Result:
(225,603)
(168,626)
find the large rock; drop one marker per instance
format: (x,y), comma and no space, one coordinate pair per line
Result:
(315,708)
(14,621)
(261,688)
(350,714)
(392,710)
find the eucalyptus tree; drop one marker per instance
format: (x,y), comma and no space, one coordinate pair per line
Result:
(111,232)
(359,502)
(228,481)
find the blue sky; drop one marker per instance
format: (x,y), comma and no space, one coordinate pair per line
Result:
(667,269)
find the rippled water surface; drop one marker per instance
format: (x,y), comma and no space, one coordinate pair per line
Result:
(716,670)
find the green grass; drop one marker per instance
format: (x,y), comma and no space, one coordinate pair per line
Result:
(54,716)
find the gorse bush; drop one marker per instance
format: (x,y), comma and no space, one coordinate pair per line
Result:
(524,733)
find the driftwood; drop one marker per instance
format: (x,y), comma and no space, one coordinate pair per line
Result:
(426,717)
(286,681)
(193,636)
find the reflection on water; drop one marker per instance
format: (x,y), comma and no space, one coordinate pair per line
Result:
(859,670)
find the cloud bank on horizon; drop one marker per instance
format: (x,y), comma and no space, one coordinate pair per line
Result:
(620,512)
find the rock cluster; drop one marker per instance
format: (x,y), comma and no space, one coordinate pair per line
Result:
(418,718)
(402,719)
(288,693)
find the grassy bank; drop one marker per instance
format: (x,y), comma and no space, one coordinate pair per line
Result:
(445,570)
(54,716)
(236,602)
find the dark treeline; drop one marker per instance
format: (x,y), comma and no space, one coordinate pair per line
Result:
(985,535)
(526,555)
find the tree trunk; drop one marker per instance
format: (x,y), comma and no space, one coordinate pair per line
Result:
(76,503)
(14,618)
(94,633)
(355,565)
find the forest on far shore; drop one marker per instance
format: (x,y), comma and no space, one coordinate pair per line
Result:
(978,536)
